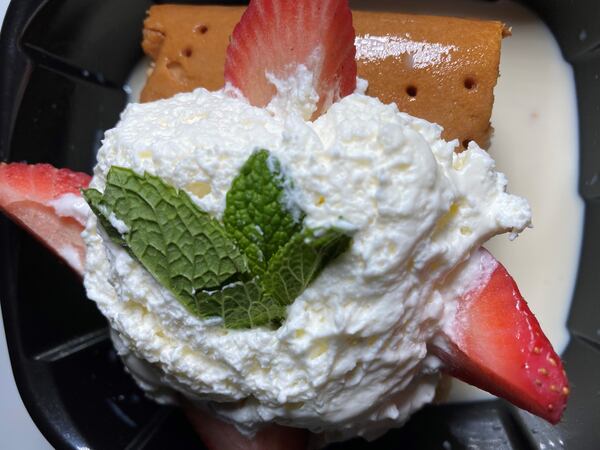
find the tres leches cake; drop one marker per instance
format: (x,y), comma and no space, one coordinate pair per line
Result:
(291,250)
(442,69)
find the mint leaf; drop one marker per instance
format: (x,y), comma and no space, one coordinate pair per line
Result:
(246,271)
(300,261)
(180,245)
(94,198)
(255,213)
(241,305)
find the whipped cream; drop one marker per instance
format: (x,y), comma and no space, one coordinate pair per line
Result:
(351,357)
(71,205)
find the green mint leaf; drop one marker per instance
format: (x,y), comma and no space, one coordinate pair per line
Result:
(300,261)
(246,271)
(241,305)
(180,245)
(94,198)
(255,212)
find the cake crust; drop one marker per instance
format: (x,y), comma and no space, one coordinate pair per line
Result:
(442,69)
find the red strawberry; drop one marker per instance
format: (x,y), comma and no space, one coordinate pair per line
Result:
(219,435)
(275,36)
(27,193)
(496,343)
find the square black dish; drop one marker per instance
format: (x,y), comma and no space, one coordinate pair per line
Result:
(64,64)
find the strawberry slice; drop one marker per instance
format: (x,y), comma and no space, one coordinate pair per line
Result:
(219,435)
(47,202)
(496,343)
(275,36)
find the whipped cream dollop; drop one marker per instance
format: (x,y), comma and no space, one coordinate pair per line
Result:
(351,357)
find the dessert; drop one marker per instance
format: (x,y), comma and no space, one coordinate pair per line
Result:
(342,253)
(441,69)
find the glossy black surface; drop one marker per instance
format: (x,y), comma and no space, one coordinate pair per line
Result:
(63,64)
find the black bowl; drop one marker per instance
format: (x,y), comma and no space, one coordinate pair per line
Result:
(64,64)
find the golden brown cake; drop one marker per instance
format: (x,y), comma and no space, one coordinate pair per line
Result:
(442,69)
(187,45)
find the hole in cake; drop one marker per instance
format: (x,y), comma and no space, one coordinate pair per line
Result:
(465,143)
(187,52)
(470,83)
(176,71)
(411,91)
(200,29)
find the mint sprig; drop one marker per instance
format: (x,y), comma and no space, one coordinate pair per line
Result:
(246,270)
(94,199)
(184,248)
(242,305)
(300,261)
(256,215)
